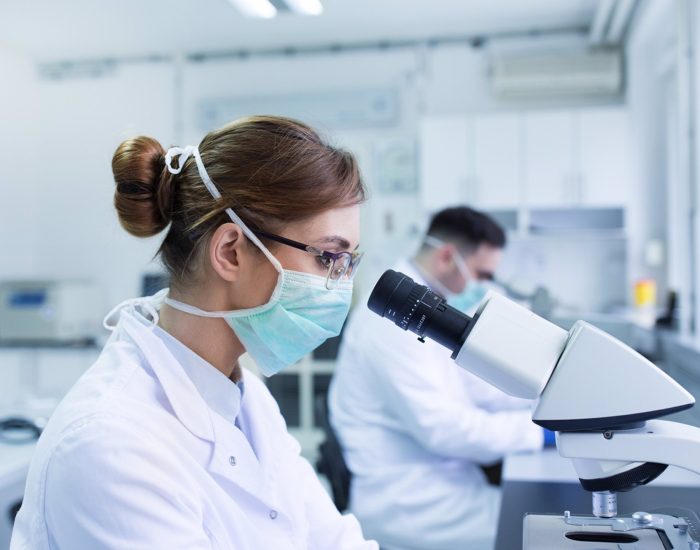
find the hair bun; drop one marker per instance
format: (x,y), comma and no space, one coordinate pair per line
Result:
(142,197)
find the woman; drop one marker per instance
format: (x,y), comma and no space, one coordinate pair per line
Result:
(166,442)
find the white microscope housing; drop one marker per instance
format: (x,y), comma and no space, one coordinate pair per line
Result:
(602,397)
(585,379)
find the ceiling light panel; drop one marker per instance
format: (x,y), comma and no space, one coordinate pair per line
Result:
(255,8)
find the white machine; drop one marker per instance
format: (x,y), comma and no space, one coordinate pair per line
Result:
(601,397)
(538,298)
(49,312)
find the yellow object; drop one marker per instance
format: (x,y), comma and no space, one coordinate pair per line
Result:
(645,293)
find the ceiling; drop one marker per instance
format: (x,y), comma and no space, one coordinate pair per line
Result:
(77,29)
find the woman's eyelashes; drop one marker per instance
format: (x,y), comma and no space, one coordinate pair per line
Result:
(324,262)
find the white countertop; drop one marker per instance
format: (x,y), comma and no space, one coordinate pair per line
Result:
(547,465)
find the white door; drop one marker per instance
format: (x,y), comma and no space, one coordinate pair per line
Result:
(550,159)
(497,164)
(605,156)
(444,172)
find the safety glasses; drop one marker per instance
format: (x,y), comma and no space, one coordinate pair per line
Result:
(339,264)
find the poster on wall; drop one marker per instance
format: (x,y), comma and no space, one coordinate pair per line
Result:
(396,166)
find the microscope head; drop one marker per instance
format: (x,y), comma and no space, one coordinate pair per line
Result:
(584,379)
(600,383)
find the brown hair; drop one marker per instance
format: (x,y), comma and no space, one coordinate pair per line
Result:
(270,170)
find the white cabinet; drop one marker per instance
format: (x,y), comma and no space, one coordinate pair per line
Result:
(444,148)
(549,156)
(552,159)
(497,161)
(605,156)
(577,157)
(473,160)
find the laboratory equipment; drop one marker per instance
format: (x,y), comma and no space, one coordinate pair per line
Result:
(601,397)
(14,464)
(50,312)
(538,298)
(18,429)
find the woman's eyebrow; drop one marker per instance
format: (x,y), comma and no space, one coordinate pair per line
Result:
(342,242)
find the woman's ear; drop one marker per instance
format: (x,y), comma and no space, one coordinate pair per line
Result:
(227,251)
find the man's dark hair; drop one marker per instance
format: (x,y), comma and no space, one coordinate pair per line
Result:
(467,228)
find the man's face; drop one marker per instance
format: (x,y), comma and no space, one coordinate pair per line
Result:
(481,265)
(483,262)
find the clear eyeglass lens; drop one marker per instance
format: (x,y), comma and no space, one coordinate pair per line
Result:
(340,267)
(353,265)
(344,266)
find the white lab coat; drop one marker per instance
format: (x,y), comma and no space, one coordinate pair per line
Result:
(414,428)
(134,458)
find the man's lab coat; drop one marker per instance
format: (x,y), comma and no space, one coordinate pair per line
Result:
(414,428)
(135,458)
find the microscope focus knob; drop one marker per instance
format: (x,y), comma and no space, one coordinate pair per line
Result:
(643,518)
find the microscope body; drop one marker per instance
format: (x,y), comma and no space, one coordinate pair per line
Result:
(600,396)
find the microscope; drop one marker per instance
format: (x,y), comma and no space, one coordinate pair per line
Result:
(601,398)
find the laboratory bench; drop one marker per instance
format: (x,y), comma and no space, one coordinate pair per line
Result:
(546,483)
(14,465)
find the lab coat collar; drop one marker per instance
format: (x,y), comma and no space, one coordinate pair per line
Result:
(232,458)
(220,392)
(187,403)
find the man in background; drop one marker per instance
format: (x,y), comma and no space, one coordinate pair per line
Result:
(415,428)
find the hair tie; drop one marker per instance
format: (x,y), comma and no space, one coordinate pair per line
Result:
(184,154)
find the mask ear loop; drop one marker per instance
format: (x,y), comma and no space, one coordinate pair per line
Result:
(463,269)
(234,217)
(457,258)
(131,304)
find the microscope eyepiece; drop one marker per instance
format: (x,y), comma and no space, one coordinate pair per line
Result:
(412,306)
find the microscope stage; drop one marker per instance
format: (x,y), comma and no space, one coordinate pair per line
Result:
(552,532)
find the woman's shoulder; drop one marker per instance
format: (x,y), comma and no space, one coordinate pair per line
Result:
(109,396)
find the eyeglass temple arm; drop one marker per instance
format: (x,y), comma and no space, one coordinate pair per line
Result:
(288,242)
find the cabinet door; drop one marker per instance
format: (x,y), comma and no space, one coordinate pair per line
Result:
(605,159)
(443,159)
(550,165)
(497,160)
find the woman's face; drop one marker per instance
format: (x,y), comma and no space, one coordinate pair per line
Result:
(334,230)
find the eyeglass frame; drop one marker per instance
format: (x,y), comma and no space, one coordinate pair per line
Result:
(355,256)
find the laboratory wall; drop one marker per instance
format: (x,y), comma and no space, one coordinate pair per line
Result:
(83,121)
(651,61)
(19,235)
(374,101)
(84,114)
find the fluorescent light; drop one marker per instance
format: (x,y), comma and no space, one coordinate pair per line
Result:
(305,7)
(255,8)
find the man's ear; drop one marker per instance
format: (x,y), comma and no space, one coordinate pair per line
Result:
(226,251)
(445,253)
